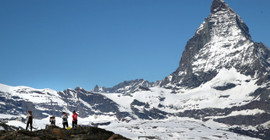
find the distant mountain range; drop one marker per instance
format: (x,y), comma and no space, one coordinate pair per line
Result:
(223,76)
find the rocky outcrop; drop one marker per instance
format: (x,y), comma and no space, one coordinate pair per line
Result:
(55,133)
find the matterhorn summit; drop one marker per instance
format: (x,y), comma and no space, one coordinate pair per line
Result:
(221,41)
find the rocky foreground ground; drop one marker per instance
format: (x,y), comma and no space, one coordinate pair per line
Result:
(56,133)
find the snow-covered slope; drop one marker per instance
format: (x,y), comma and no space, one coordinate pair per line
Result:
(31,94)
(208,95)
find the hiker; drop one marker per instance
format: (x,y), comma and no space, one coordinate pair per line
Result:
(52,120)
(74,119)
(29,120)
(65,120)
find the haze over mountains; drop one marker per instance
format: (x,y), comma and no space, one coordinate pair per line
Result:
(222,83)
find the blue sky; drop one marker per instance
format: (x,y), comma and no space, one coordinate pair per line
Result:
(61,44)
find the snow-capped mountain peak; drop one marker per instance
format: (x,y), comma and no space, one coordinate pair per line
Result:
(221,41)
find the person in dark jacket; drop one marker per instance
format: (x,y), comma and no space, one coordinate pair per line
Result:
(29,120)
(65,120)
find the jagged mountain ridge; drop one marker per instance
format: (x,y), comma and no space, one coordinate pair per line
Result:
(222,76)
(127,86)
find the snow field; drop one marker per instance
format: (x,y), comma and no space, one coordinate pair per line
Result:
(173,129)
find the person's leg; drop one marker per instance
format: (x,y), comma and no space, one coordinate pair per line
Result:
(31,125)
(72,124)
(76,123)
(66,124)
(27,124)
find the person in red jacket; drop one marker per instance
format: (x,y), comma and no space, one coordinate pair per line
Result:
(74,119)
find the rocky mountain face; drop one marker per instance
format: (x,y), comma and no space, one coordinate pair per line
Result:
(221,41)
(223,76)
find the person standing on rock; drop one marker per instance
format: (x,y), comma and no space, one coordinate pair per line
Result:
(29,120)
(65,120)
(74,119)
(52,120)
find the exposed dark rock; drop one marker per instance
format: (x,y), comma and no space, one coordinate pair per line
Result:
(144,111)
(259,133)
(123,116)
(138,103)
(117,137)
(225,87)
(100,124)
(148,137)
(144,88)
(252,120)
(224,96)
